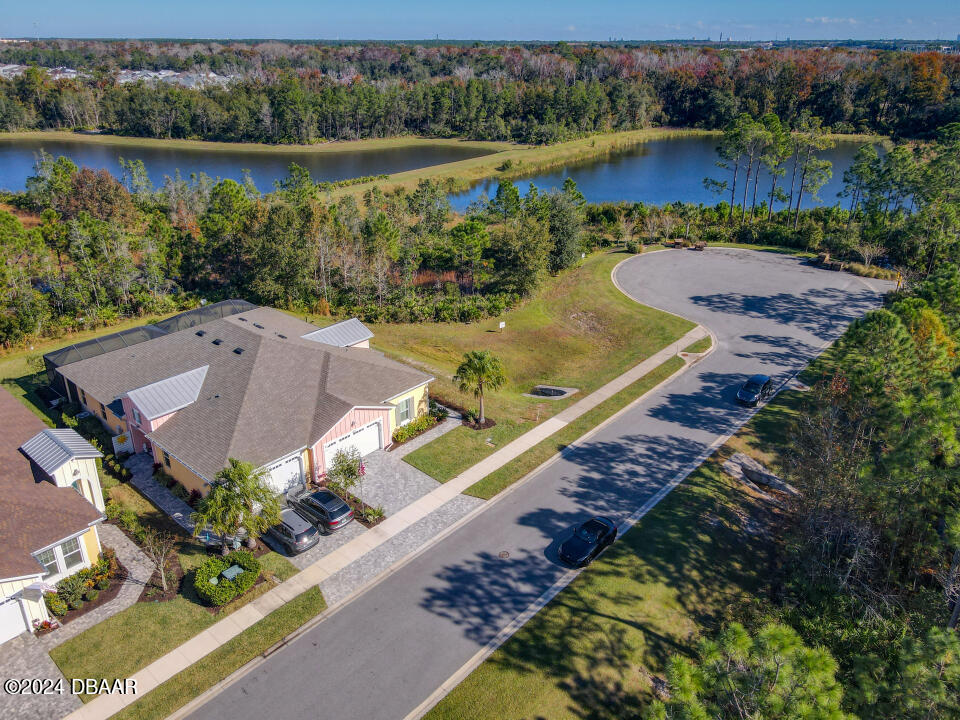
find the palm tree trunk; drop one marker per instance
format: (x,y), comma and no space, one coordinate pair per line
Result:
(482,416)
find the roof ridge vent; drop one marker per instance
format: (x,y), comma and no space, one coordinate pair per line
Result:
(216,341)
(238,350)
(258,325)
(201,333)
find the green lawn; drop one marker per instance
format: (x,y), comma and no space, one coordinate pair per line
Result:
(578,331)
(185,686)
(135,637)
(684,569)
(545,449)
(700,346)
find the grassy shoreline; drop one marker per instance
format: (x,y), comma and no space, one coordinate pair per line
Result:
(333,146)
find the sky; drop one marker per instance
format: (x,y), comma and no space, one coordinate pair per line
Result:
(487,20)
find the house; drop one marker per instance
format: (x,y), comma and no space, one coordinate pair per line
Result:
(52,503)
(260,386)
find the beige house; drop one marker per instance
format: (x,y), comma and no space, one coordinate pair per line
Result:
(52,506)
(260,386)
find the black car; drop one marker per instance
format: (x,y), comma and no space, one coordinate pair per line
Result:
(587,541)
(323,508)
(755,390)
(294,532)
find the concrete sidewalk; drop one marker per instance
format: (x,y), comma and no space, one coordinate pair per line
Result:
(232,625)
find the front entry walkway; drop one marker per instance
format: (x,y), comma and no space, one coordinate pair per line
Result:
(141,465)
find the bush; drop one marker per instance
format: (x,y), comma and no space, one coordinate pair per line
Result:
(91,594)
(71,590)
(634,247)
(414,428)
(225,590)
(55,604)
(113,510)
(103,583)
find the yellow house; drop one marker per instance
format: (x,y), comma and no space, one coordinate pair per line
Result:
(52,504)
(259,386)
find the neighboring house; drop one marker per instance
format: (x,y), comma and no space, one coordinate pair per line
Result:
(260,386)
(52,503)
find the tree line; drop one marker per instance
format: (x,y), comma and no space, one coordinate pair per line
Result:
(285,93)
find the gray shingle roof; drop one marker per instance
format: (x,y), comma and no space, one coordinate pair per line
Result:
(173,393)
(280,394)
(341,334)
(51,449)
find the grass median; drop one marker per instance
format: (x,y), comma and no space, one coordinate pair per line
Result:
(520,466)
(700,346)
(225,660)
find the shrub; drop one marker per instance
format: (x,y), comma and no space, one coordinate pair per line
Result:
(103,583)
(113,510)
(55,604)
(225,590)
(91,594)
(179,490)
(633,247)
(71,590)
(370,514)
(414,428)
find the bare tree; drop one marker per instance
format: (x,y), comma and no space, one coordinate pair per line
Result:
(869,252)
(159,546)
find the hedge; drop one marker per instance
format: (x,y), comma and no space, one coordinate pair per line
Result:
(225,590)
(413,428)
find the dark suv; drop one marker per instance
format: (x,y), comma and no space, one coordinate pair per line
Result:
(323,508)
(294,532)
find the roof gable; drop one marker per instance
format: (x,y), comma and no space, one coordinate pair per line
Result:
(166,396)
(51,449)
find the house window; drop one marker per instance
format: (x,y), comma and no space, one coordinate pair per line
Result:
(49,561)
(136,416)
(103,411)
(404,411)
(72,556)
(166,459)
(83,397)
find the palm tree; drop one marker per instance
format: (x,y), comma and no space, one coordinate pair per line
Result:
(240,499)
(478,372)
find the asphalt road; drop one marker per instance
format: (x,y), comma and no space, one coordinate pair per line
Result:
(390,648)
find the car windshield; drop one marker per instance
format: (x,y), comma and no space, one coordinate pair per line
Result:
(752,386)
(589,531)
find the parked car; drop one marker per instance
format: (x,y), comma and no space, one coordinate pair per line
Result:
(755,390)
(294,532)
(326,510)
(587,541)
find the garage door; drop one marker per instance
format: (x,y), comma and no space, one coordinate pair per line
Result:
(11,620)
(365,439)
(286,473)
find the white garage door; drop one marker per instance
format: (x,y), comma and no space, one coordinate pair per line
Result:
(365,439)
(11,620)
(286,473)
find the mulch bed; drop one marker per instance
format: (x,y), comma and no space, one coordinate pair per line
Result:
(394,444)
(153,589)
(116,582)
(487,424)
(358,506)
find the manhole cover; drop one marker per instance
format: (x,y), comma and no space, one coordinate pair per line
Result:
(504,555)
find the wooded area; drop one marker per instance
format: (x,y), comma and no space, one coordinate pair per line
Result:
(288,93)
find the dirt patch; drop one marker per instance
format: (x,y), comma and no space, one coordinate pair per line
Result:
(105,596)
(153,589)
(27,219)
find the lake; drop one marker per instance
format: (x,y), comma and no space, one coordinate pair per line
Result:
(657,172)
(662,171)
(18,155)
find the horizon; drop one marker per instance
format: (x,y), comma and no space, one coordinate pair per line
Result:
(498,21)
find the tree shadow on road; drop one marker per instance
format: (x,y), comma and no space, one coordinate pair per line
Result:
(823,312)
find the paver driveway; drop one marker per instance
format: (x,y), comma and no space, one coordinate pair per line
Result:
(386,651)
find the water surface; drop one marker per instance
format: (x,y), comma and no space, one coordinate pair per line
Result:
(662,171)
(18,156)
